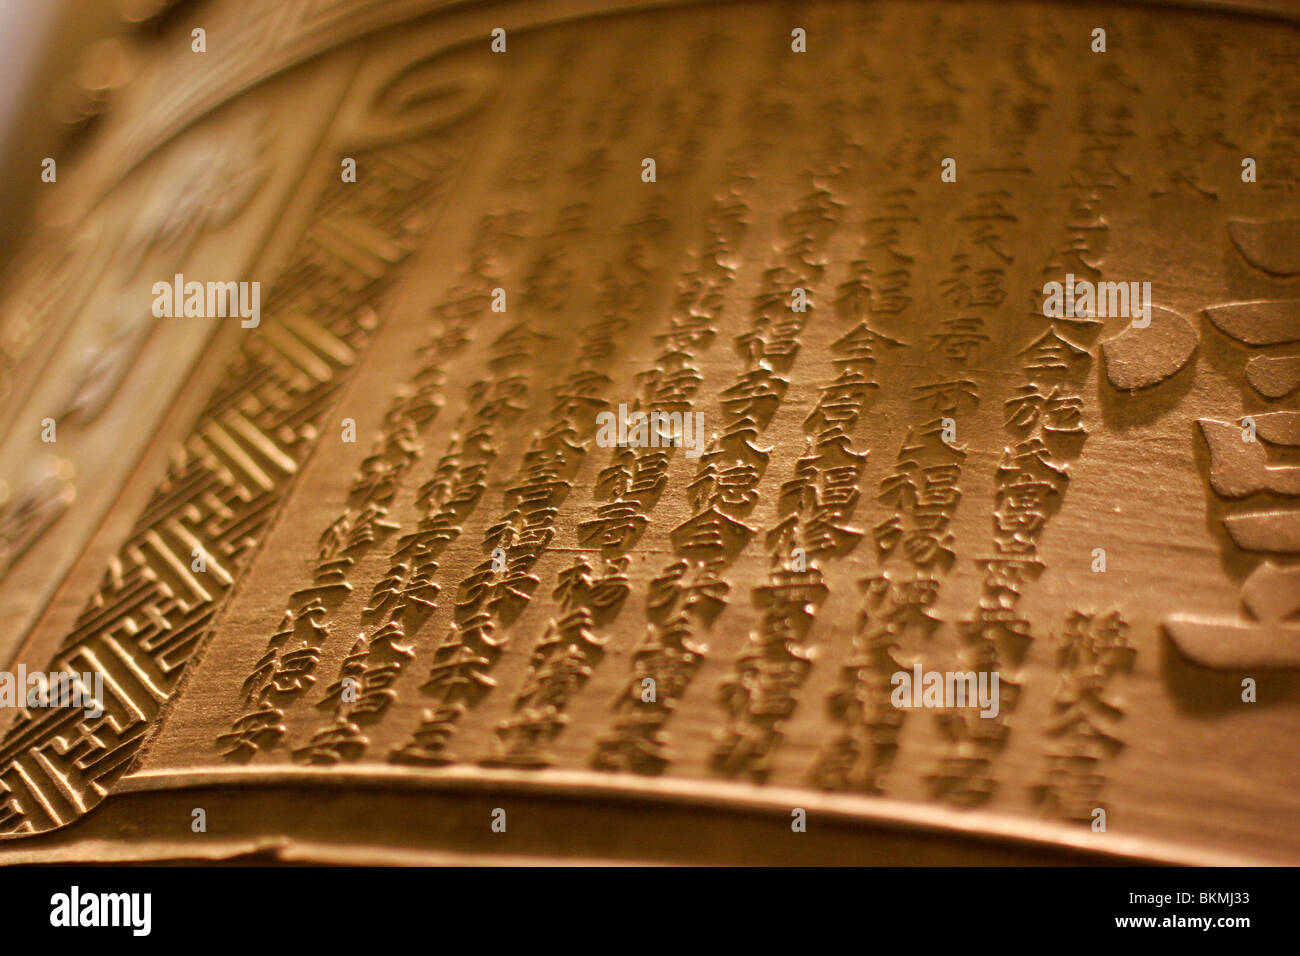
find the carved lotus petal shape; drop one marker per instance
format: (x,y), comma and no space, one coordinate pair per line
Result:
(1138,358)
(1271,246)
(1263,322)
(1275,531)
(1274,375)
(1280,428)
(1271,592)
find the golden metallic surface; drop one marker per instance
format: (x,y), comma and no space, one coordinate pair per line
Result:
(374,574)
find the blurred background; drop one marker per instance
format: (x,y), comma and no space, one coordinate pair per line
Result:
(60,61)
